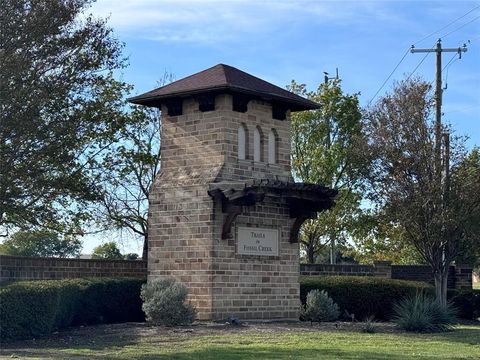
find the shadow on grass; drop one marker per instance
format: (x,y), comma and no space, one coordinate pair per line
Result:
(231,353)
(465,335)
(95,337)
(149,343)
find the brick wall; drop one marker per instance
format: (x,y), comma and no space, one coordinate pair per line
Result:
(30,268)
(421,273)
(258,287)
(185,223)
(328,269)
(459,277)
(463,277)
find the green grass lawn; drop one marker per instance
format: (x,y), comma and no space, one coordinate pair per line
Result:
(254,342)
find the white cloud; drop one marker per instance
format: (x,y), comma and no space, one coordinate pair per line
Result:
(216,21)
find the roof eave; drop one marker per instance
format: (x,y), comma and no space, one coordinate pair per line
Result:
(156,100)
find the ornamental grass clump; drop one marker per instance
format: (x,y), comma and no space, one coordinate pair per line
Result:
(320,307)
(164,303)
(421,313)
(369,325)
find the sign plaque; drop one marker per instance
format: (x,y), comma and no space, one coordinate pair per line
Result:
(257,241)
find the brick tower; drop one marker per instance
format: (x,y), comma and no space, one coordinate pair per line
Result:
(224,210)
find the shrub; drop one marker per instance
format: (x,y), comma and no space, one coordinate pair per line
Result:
(110,301)
(164,303)
(466,303)
(34,308)
(421,313)
(361,295)
(320,307)
(368,325)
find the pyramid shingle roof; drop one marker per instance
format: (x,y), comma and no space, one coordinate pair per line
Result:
(227,79)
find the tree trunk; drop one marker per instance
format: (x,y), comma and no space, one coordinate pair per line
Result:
(145,248)
(441,278)
(310,253)
(333,251)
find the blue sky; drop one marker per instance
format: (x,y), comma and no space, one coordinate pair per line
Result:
(284,40)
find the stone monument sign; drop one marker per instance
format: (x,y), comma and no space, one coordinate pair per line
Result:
(224,210)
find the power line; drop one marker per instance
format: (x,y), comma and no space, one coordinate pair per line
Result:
(450,62)
(423,59)
(446,26)
(474,39)
(447,67)
(420,63)
(438,99)
(461,27)
(389,76)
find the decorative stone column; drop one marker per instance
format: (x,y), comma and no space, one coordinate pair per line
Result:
(224,216)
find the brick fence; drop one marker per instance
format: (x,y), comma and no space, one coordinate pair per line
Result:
(421,273)
(32,268)
(459,277)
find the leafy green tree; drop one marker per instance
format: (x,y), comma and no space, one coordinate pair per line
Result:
(131,167)
(108,250)
(60,107)
(324,151)
(437,218)
(41,244)
(465,195)
(131,256)
(375,238)
(128,173)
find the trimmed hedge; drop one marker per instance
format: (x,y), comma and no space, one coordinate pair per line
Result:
(362,295)
(34,308)
(466,303)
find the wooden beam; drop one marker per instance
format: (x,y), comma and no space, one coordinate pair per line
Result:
(230,216)
(296,227)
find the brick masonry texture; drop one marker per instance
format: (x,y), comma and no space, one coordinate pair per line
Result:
(199,148)
(31,268)
(27,268)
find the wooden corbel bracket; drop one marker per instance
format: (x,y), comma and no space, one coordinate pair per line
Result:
(230,217)
(299,220)
(234,206)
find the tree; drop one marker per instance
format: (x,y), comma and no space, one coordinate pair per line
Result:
(436,217)
(130,169)
(108,250)
(60,108)
(324,152)
(376,238)
(41,243)
(131,256)
(465,181)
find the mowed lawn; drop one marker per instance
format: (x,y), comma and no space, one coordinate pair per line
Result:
(263,341)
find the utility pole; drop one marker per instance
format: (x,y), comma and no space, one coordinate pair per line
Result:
(442,170)
(328,143)
(438,100)
(326,78)
(446,167)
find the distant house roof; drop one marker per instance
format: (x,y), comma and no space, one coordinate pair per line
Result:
(223,78)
